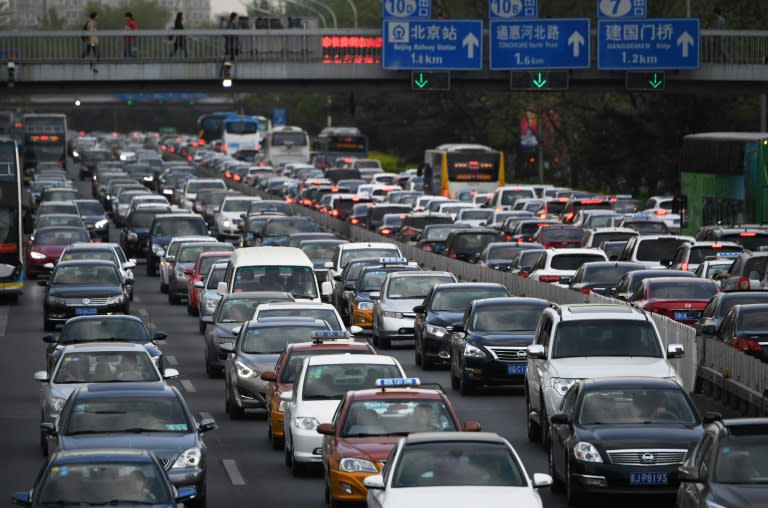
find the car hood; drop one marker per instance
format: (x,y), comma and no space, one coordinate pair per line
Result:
(52,251)
(501,339)
(224,330)
(161,240)
(745,496)
(375,448)
(611,366)
(641,436)
(278,241)
(402,305)
(321,409)
(462,496)
(259,362)
(70,291)
(443,317)
(165,445)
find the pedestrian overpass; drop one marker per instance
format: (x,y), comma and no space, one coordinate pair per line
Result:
(45,62)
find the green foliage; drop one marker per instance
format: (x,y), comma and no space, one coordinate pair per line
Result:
(148,14)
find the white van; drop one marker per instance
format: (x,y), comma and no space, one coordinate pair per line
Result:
(285,269)
(286,144)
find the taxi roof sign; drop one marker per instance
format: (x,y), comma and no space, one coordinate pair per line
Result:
(393,261)
(398,381)
(330,334)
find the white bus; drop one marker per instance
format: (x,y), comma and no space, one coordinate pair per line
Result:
(286,144)
(241,132)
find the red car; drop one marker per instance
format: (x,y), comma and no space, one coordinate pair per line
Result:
(197,274)
(680,298)
(46,244)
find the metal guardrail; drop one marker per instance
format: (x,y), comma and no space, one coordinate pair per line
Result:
(292,46)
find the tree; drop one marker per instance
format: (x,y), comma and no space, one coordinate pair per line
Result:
(149,15)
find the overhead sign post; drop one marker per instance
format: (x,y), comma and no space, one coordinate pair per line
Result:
(539,44)
(406,8)
(613,9)
(435,44)
(505,9)
(650,44)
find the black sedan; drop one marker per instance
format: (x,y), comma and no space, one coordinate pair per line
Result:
(712,317)
(80,288)
(745,327)
(144,416)
(499,255)
(119,328)
(621,436)
(631,280)
(488,346)
(601,277)
(443,306)
(728,468)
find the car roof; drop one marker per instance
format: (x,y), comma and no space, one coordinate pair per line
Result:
(270,322)
(629,382)
(339,344)
(586,311)
(101,454)
(88,262)
(467,285)
(342,359)
(255,294)
(87,347)
(437,437)
(509,300)
(416,273)
(398,392)
(295,305)
(104,317)
(148,389)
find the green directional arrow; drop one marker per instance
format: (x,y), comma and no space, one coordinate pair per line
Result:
(421,82)
(656,82)
(539,82)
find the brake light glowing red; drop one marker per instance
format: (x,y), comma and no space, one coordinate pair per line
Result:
(748,233)
(684,267)
(354,220)
(549,278)
(452,254)
(586,291)
(661,213)
(427,247)
(385,231)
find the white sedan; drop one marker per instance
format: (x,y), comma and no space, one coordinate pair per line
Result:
(454,469)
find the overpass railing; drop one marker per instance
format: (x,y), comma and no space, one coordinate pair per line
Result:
(290,46)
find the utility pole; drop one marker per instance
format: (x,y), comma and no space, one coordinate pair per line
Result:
(540,139)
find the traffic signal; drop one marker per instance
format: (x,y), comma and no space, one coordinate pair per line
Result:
(226,75)
(11,74)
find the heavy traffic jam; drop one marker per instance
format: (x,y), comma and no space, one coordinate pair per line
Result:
(310,330)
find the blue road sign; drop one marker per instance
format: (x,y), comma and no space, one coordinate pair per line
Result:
(654,44)
(612,9)
(505,9)
(161,96)
(435,44)
(278,116)
(539,44)
(407,8)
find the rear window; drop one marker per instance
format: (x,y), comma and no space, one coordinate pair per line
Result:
(699,254)
(457,299)
(609,274)
(473,241)
(615,236)
(756,321)
(508,197)
(181,226)
(287,227)
(658,248)
(648,228)
(683,291)
(549,234)
(748,240)
(350,254)
(572,261)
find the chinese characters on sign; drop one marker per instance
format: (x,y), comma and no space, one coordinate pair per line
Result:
(648,44)
(539,44)
(432,44)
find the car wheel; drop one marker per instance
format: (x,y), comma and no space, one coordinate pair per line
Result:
(173,299)
(210,371)
(297,468)
(44,444)
(426,363)
(288,456)
(163,286)
(150,268)
(466,387)
(200,500)
(335,503)
(130,295)
(534,431)
(386,342)
(375,336)
(192,311)
(233,410)
(572,493)
(416,353)
(557,484)
(455,381)
(327,493)
(201,326)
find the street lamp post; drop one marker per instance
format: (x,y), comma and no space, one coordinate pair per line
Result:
(298,3)
(354,11)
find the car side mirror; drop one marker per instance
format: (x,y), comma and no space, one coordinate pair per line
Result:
(221,288)
(711,416)
(537,352)
(349,286)
(326,288)
(337,278)
(236,330)
(709,329)
(688,474)
(50,339)
(286,396)
(47,428)
(21,499)
(328,264)
(566,279)
(375,295)
(375,481)
(419,309)
(208,320)
(269,376)
(184,494)
(559,419)
(170,374)
(42,282)
(471,426)
(675,351)
(199,284)
(41,376)
(326,429)
(541,480)
(458,327)
(206,424)
(131,263)
(188,271)
(159,336)
(355,330)
(227,347)
(129,282)
(170,259)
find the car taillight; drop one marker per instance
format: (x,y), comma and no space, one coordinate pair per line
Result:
(227,174)
(333,213)
(385,231)
(427,247)
(586,291)
(661,213)
(289,200)
(236,177)
(748,233)
(684,267)
(523,275)
(549,278)
(744,283)
(568,217)
(322,209)
(754,346)
(739,343)
(508,237)
(452,254)
(354,220)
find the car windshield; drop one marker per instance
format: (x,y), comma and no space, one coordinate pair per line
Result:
(742,459)
(572,261)
(414,288)
(105,367)
(475,214)
(299,281)
(606,337)
(208,261)
(456,463)
(608,274)
(196,186)
(503,252)
(295,360)
(554,233)
(58,220)
(95,483)
(331,382)
(46,208)
(255,224)
(649,227)
(437,234)
(713,269)
(288,227)
(90,208)
(102,275)
(273,339)
(236,205)
(636,406)
(126,414)
(396,417)
(181,226)
(61,236)
(699,254)
(457,299)
(684,290)
(141,219)
(612,236)
(323,314)
(508,197)
(372,252)
(506,318)
(113,328)
(656,249)
(320,251)
(190,253)
(473,242)
(372,280)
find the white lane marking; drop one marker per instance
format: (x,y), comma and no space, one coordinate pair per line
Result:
(3,320)
(171,360)
(143,312)
(234,474)
(137,299)
(188,386)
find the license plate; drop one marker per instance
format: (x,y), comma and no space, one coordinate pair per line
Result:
(648,478)
(684,314)
(85,311)
(516,368)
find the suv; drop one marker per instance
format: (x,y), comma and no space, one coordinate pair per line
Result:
(554,264)
(166,226)
(654,251)
(745,273)
(582,341)
(688,256)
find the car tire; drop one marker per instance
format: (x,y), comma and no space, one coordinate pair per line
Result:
(288,459)
(534,431)
(173,299)
(544,423)
(163,286)
(192,311)
(558,487)
(43,444)
(233,410)
(416,353)
(386,342)
(573,495)
(297,468)
(150,267)
(210,371)
(455,381)
(426,363)
(48,325)
(327,493)
(201,326)
(466,387)
(375,336)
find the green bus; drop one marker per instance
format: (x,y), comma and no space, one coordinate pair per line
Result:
(724,176)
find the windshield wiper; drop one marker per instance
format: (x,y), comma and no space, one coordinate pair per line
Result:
(122,501)
(138,430)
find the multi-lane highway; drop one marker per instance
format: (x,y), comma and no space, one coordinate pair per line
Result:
(243,470)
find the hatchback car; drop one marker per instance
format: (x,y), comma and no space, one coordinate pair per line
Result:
(198,273)
(632,279)
(183,264)
(46,244)
(466,245)
(559,236)
(679,299)
(601,277)
(688,256)
(557,266)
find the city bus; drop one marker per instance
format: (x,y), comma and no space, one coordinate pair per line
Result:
(458,167)
(286,143)
(241,132)
(210,126)
(724,176)
(340,143)
(11,232)
(44,140)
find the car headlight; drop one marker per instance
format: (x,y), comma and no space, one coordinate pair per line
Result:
(561,384)
(188,458)
(244,371)
(158,250)
(149,178)
(365,306)
(180,275)
(37,255)
(168,192)
(306,422)
(115,299)
(57,299)
(226,223)
(392,314)
(437,331)
(56,403)
(586,452)
(355,465)
(282,406)
(471,351)
(101,224)
(210,304)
